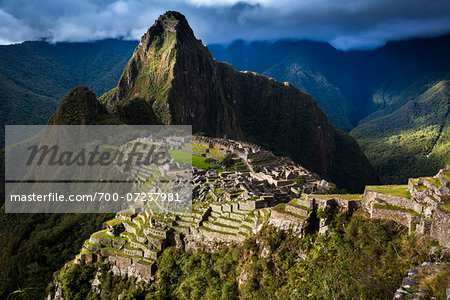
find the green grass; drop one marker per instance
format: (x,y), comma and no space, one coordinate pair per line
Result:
(218,231)
(294,203)
(181,157)
(113,222)
(340,196)
(446,206)
(419,187)
(104,235)
(435,283)
(446,175)
(397,190)
(127,246)
(188,158)
(109,248)
(247,227)
(199,146)
(434,181)
(143,262)
(224,225)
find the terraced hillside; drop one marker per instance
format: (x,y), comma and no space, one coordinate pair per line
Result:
(233,202)
(422,205)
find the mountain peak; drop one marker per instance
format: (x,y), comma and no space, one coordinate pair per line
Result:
(173,21)
(173,79)
(170,22)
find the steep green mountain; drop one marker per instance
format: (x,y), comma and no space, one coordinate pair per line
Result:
(348,86)
(35,75)
(414,138)
(357,87)
(36,245)
(331,76)
(81,107)
(173,79)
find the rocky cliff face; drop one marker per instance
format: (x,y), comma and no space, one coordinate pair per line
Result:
(173,79)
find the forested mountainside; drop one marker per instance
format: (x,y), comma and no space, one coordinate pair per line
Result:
(352,87)
(375,93)
(34,76)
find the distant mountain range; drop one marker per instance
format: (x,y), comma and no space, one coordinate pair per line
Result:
(394,100)
(375,95)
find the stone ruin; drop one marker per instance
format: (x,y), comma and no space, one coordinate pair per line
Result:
(230,205)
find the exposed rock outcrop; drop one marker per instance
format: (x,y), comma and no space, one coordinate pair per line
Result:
(173,79)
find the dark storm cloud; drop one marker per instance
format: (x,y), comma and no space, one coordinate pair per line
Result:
(344,23)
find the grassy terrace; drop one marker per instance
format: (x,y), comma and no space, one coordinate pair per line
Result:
(243,233)
(113,222)
(224,225)
(247,227)
(419,187)
(434,181)
(109,248)
(396,208)
(104,235)
(445,206)
(143,262)
(294,203)
(397,190)
(217,231)
(133,239)
(140,232)
(339,196)
(201,147)
(230,219)
(188,158)
(259,160)
(121,253)
(87,242)
(127,246)
(212,153)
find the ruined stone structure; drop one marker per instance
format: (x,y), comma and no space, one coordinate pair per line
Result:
(228,206)
(422,205)
(260,188)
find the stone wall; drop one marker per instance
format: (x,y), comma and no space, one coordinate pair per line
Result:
(374,197)
(107,242)
(124,266)
(284,221)
(296,210)
(402,218)
(440,227)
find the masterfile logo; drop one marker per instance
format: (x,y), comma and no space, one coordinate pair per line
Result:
(98,168)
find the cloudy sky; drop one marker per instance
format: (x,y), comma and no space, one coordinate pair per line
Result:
(346,24)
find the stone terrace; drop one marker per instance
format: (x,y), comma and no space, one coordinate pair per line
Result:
(259,188)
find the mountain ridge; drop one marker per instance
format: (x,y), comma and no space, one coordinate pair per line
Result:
(173,79)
